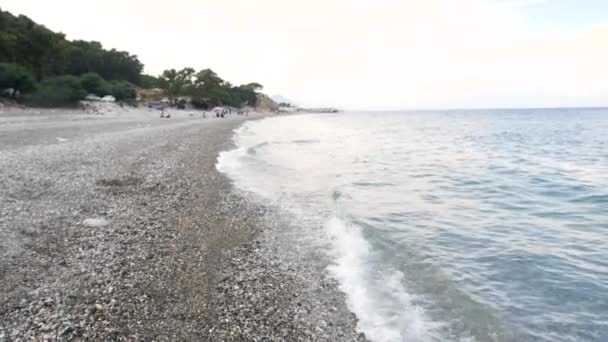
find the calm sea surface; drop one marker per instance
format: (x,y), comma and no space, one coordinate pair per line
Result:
(446,226)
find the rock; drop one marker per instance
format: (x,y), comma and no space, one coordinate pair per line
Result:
(91,310)
(96,222)
(67,330)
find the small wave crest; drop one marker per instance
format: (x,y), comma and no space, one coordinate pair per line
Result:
(592,199)
(374,293)
(254,149)
(229,161)
(306,141)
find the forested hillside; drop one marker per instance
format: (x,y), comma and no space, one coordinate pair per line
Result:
(42,67)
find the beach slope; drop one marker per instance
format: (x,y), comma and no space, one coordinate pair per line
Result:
(120,228)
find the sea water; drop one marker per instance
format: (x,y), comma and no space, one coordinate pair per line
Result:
(483,225)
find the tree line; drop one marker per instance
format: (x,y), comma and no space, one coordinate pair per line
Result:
(204,88)
(47,69)
(54,71)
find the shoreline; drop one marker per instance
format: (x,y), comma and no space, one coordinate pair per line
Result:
(267,289)
(121,228)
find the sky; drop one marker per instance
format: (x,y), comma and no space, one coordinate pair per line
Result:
(362,54)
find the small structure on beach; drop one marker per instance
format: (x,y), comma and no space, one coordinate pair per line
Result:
(154,94)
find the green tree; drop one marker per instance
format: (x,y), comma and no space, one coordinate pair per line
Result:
(207,87)
(59,91)
(8,44)
(46,53)
(177,83)
(29,44)
(95,84)
(207,80)
(122,91)
(149,82)
(17,78)
(80,57)
(254,86)
(43,48)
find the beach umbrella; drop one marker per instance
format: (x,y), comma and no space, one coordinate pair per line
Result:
(218,109)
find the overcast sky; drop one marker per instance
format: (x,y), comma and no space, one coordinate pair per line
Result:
(368,54)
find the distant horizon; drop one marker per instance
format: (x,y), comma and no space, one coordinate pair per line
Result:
(465,109)
(364,54)
(438,108)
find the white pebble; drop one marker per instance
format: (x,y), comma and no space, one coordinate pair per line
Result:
(95,222)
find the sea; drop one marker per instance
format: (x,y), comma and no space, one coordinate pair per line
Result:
(455,225)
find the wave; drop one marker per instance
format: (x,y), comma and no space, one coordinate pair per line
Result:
(373,184)
(592,199)
(229,161)
(305,141)
(253,149)
(376,295)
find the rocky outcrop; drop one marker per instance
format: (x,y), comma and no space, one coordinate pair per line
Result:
(266,104)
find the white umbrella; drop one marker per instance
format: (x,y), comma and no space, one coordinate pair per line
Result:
(217,109)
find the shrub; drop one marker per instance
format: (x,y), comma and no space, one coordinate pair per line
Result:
(17,78)
(95,84)
(59,91)
(199,103)
(122,91)
(149,82)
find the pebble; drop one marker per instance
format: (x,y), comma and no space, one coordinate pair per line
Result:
(96,222)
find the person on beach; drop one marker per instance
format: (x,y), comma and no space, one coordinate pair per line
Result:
(163,112)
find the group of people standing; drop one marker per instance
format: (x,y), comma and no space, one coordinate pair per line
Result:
(219,111)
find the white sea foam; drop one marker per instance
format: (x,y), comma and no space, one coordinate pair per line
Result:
(228,162)
(238,164)
(378,297)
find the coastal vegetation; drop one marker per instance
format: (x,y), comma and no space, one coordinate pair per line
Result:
(16,78)
(204,88)
(43,68)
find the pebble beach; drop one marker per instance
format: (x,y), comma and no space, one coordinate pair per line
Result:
(119,227)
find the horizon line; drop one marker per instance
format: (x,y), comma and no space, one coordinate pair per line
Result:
(464,108)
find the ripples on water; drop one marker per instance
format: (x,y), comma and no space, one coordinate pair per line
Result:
(458,225)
